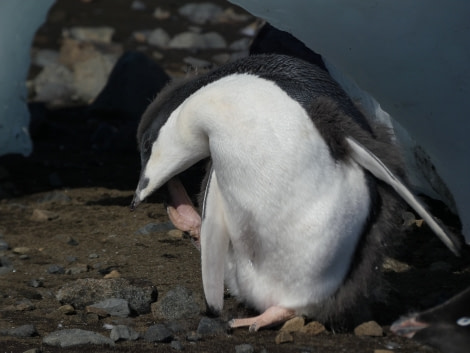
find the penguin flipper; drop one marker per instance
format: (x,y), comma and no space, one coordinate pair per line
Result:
(373,164)
(214,245)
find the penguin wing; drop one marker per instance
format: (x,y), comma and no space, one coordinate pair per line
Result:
(373,164)
(214,245)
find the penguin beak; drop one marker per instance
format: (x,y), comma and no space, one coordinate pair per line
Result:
(135,202)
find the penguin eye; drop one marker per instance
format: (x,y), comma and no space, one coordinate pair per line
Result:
(463,321)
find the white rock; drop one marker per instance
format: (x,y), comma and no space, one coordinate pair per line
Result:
(159,38)
(90,34)
(200,13)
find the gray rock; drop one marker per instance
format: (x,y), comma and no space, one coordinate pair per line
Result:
(22,331)
(56,269)
(123,333)
(35,283)
(244,348)
(178,303)
(90,34)
(158,333)
(74,337)
(200,13)
(159,38)
(4,245)
(193,336)
(83,292)
(240,44)
(210,327)
(138,5)
(176,345)
(114,307)
(55,196)
(192,40)
(155,227)
(6,266)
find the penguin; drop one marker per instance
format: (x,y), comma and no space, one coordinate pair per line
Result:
(302,194)
(446,326)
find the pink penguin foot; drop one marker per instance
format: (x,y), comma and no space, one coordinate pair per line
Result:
(272,316)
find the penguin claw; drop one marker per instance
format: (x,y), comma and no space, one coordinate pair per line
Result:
(272,316)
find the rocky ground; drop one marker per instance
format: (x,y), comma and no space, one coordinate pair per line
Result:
(77,267)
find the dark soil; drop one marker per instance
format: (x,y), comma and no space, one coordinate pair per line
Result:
(100,185)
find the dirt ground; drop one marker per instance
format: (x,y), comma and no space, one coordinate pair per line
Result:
(99,185)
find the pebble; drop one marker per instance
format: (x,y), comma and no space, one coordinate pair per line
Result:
(178,303)
(283,337)
(21,250)
(113,274)
(370,328)
(4,245)
(6,266)
(101,34)
(55,197)
(155,228)
(75,270)
(161,14)
(56,270)
(35,283)
(43,215)
(293,325)
(193,336)
(138,5)
(25,305)
(191,40)
(123,333)
(200,13)
(210,327)
(313,328)
(159,38)
(93,256)
(114,307)
(244,348)
(158,333)
(94,311)
(66,309)
(82,292)
(390,264)
(176,345)
(240,44)
(22,331)
(74,337)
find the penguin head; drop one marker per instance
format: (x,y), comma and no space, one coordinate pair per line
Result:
(169,140)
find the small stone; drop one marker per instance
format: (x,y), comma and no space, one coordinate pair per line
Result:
(370,328)
(21,331)
(25,305)
(24,257)
(293,325)
(35,283)
(193,336)
(21,250)
(93,256)
(74,337)
(90,34)
(200,13)
(56,270)
(158,333)
(283,337)
(78,268)
(176,345)
(138,5)
(113,306)
(394,265)
(178,303)
(210,327)
(43,215)
(241,44)
(155,227)
(176,233)
(97,311)
(244,348)
(214,40)
(66,309)
(3,245)
(313,328)
(123,333)
(161,14)
(113,274)
(159,38)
